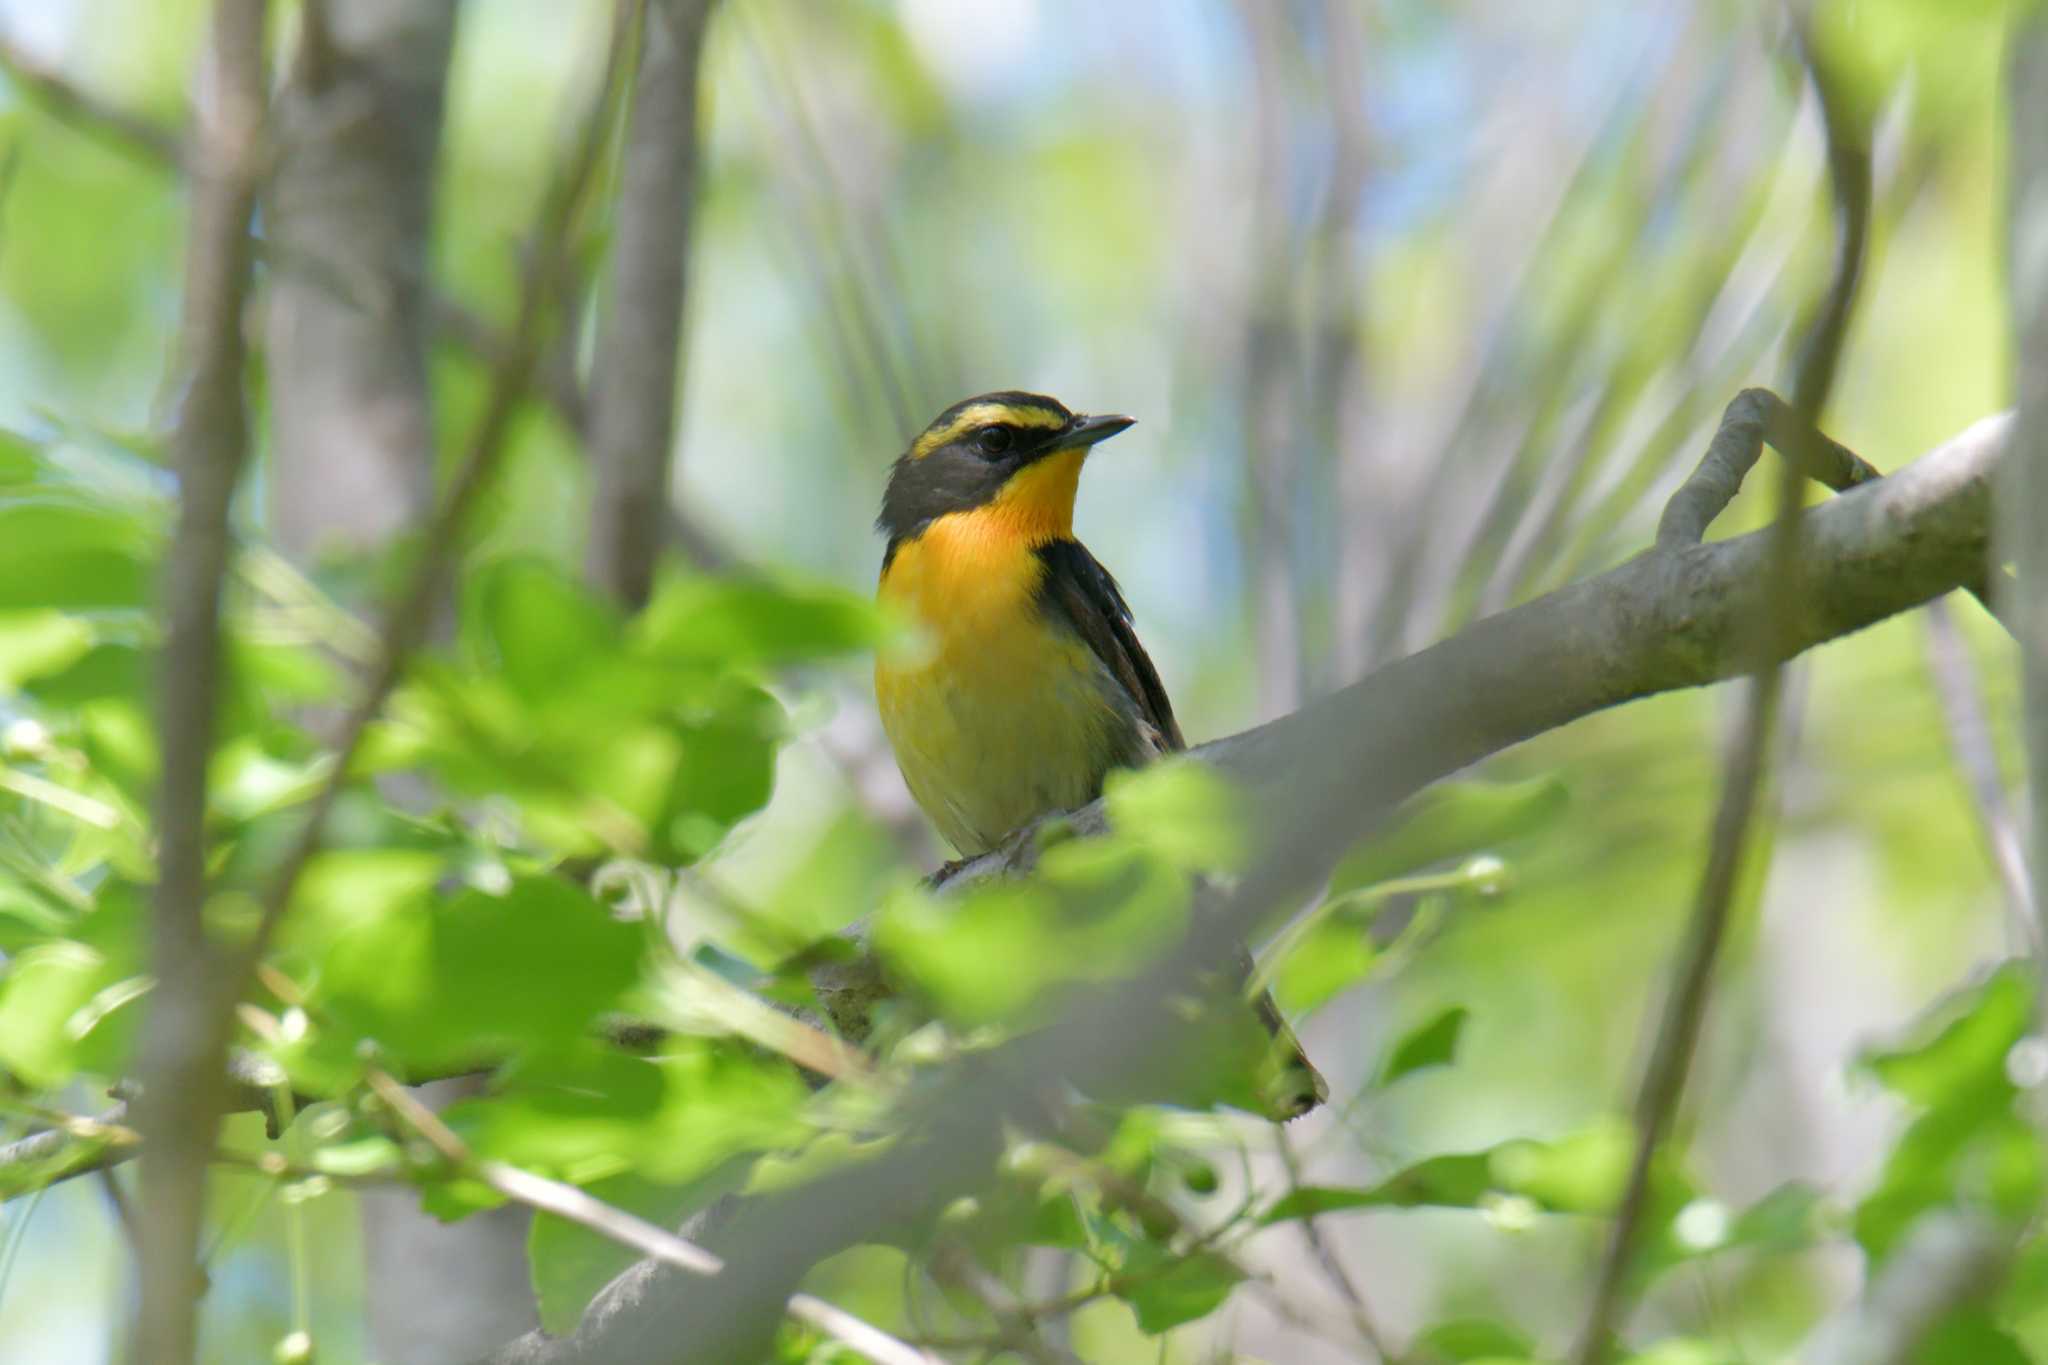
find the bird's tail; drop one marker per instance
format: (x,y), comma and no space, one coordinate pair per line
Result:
(1289,1081)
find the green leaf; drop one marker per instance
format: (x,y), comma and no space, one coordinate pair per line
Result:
(1332,956)
(38,641)
(21,460)
(1099,909)
(440,982)
(539,627)
(62,553)
(1970,1145)
(1434,1043)
(1968,1336)
(1580,1173)
(1967,1036)
(43,988)
(1187,813)
(72,1004)
(1452,820)
(588,1112)
(1456,1181)
(1193,1287)
(28,915)
(746,624)
(1468,1340)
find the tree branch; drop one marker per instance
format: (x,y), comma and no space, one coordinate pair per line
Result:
(188,1012)
(1735,815)
(633,416)
(137,134)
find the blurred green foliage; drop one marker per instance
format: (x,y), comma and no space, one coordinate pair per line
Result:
(1580,229)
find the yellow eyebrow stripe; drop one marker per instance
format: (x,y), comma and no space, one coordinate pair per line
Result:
(981,415)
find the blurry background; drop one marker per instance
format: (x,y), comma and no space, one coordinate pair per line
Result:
(1421,306)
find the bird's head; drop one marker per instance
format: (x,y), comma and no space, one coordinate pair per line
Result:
(1012,458)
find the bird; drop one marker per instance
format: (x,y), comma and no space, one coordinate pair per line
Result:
(1034,686)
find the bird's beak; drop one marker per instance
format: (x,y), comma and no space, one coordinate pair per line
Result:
(1086,431)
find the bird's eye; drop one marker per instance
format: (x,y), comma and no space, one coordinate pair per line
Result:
(993,440)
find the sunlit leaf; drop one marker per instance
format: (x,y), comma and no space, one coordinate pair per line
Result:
(1580,1173)
(1333,956)
(34,642)
(737,623)
(1469,1340)
(1969,1143)
(1432,1043)
(437,982)
(1189,814)
(1183,1288)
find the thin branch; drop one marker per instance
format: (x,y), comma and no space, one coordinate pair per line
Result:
(1326,1257)
(188,1016)
(1742,781)
(64,1150)
(557,384)
(137,134)
(1016,1328)
(1969,737)
(633,418)
(607,1220)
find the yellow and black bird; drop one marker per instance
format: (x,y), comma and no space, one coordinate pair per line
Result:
(1035,686)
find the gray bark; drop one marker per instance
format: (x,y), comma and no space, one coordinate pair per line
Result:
(633,418)
(348,224)
(348,309)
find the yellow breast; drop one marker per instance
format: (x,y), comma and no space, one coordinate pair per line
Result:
(1006,715)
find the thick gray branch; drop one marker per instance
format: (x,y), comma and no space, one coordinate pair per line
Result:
(1672,617)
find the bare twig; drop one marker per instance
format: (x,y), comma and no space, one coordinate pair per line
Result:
(136,133)
(1275,593)
(1327,1259)
(1969,736)
(473,332)
(1016,1326)
(62,1151)
(188,1017)
(607,1220)
(1684,1010)
(633,419)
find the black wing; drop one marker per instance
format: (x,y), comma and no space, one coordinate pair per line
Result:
(1078,589)
(1081,592)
